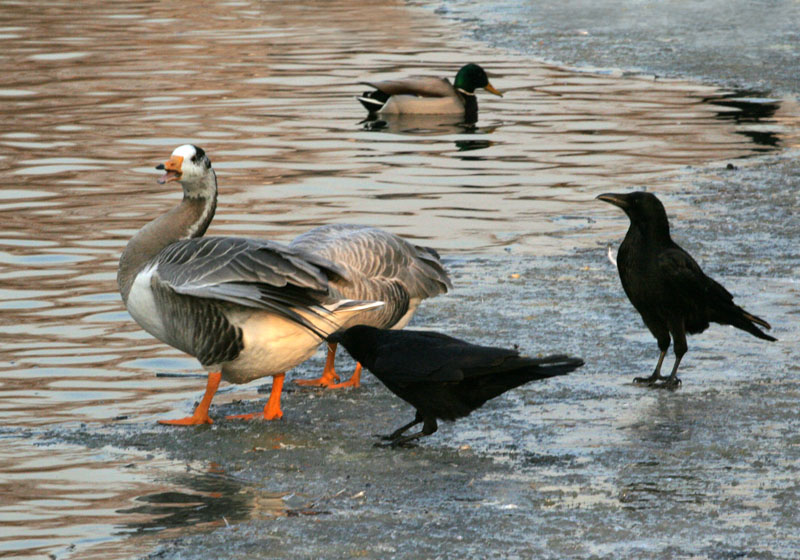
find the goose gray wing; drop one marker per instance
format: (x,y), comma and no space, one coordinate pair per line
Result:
(421,86)
(252,273)
(379,265)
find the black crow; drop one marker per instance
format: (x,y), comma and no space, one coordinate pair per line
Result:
(441,376)
(666,285)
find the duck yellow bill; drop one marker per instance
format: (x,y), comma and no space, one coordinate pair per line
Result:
(173,169)
(491,89)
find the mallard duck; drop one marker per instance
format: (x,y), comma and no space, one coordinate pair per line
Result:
(245,308)
(425,95)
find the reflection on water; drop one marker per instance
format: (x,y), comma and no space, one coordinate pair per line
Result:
(420,124)
(753,113)
(59,498)
(96,93)
(213,498)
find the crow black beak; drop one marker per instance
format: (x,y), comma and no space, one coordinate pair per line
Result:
(620,200)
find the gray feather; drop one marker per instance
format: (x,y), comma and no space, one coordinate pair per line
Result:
(380,266)
(198,327)
(251,273)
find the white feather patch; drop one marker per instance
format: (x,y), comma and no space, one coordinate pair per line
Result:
(142,305)
(353,305)
(611,256)
(186,151)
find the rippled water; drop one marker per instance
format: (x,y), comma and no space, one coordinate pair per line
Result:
(94,94)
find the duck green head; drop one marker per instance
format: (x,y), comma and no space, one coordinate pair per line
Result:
(471,77)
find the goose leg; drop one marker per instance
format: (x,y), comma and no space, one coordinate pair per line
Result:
(200,415)
(329,375)
(272,410)
(354,381)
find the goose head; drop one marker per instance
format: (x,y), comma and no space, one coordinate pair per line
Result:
(190,166)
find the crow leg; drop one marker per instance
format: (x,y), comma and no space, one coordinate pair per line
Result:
(399,431)
(428,428)
(680,347)
(662,336)
(656,375)
(673,382)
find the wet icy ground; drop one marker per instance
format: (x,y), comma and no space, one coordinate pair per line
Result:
(736,43)
(584,466)
(589,465)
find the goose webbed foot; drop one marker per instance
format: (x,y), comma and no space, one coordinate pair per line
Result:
(354,381)
(272,410)
(328,379)
(193,420)
(200,415)
(329,375)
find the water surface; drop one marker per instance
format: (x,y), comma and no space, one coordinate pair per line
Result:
(95,94)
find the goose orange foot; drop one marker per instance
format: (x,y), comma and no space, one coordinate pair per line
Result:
(200,415)
(272,410)
(354,381)
(328,378)
(193,420)
(329,375)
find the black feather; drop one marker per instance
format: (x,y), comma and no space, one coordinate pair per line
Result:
(667,287)
(441,376)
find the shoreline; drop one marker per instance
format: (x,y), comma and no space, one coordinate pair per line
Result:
(572,468)
(733,45)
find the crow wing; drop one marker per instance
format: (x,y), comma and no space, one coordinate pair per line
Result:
(682,275)
(425,356)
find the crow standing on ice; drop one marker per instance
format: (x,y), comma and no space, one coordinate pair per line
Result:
(666,285)
(441,376)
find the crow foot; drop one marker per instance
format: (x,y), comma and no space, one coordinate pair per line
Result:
(670,383)
(652,380)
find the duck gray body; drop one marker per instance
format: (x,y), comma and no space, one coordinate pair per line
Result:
(422,95)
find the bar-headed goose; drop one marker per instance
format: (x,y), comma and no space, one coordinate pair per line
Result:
(379,266)
(422,95)
(245,308)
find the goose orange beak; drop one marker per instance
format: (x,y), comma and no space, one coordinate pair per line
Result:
(173,169)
